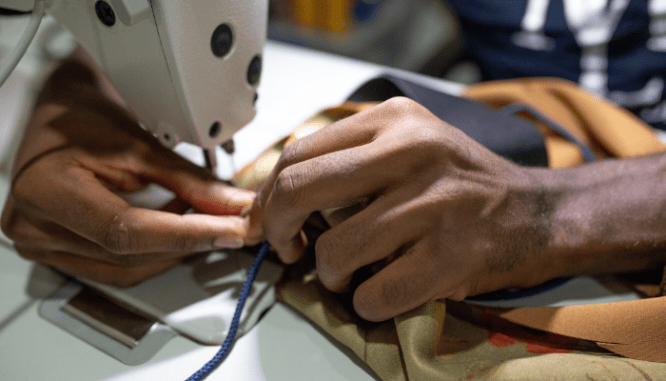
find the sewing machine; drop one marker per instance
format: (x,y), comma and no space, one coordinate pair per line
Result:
(203,58)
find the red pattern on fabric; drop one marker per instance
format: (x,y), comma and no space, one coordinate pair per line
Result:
(502,333)
(535,347)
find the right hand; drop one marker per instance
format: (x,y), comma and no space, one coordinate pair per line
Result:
(79,149)
(443,217)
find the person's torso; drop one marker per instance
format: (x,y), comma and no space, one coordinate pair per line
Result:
(614,48)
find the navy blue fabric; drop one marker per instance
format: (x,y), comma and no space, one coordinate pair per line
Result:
(504,134)
(514,109)
(489,27)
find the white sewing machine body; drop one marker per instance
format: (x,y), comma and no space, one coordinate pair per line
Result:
(188,69)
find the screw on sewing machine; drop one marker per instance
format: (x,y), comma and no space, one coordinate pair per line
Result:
(254,71)
(221,40)
(215,129)
(105,13)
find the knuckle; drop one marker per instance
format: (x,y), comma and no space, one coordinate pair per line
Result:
(291,154)
(329,264)
(405,109)
(183,243)
(402,104)
(288,187)
(115,236)
(18,228)
(372,302)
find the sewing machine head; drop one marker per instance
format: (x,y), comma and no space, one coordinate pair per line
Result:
(189,70)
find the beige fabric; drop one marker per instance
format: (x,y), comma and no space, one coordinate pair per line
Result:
(609,130)
(457,341)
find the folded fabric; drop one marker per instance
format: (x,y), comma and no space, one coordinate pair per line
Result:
(455,340)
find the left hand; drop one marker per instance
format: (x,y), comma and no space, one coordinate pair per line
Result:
(80,149)
(453,218)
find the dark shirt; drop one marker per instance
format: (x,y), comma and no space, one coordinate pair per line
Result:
(614,48)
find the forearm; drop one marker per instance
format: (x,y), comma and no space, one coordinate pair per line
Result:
(606,217)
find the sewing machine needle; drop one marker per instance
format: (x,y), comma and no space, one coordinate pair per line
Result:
(210,158)
(230,147)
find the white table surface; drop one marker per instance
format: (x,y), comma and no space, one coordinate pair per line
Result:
(295,84)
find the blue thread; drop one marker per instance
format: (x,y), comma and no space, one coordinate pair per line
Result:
(229,340)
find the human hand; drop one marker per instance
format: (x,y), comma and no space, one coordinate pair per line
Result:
(79,150)
(448,217)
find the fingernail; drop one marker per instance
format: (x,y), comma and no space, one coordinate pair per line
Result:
(229,242)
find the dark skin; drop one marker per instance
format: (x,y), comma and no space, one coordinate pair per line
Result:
(451,218)
(462,220)
(80,147)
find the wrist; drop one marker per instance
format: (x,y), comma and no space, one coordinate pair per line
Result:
(606,217)
(520,220)
(566,228)
(533,227)
(570,214)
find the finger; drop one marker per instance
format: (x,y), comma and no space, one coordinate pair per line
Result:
(346,133)
(408,282)
(26,231)
(195,185)
(355,130)
(373,234)
(190,183)
(336,179)
(98,271)
(116,179)
(136,231)
(42,235)
(81,204)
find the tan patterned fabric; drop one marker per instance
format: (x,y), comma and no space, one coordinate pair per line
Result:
(608,130)
(455,341)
